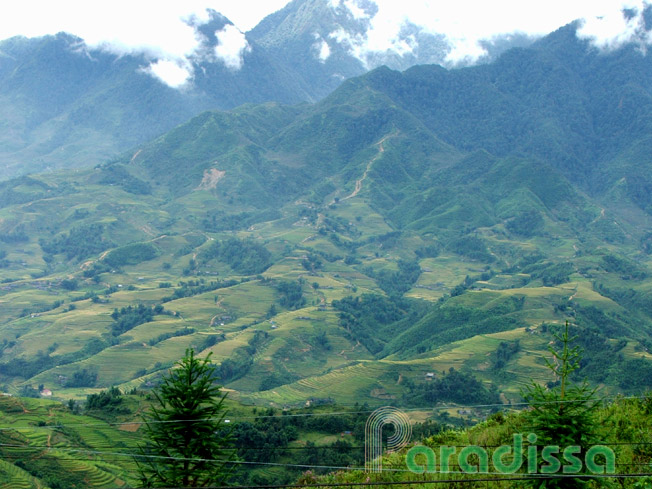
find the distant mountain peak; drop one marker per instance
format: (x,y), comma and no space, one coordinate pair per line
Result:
(216,22)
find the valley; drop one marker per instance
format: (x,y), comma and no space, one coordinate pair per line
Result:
(415,239)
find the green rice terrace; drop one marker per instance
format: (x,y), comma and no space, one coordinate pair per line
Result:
(414,239)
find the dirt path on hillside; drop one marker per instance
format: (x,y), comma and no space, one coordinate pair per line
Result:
(88,263)
(135,155)
(217,304)
(147,230)
(350,350)
(601,216)
(358,183)
(574,295)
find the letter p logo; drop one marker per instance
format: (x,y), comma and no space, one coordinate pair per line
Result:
(373,435)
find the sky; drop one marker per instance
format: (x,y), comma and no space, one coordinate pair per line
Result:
(165,31)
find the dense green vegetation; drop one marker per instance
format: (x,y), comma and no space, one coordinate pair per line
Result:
(80,242)
(129,317)
(245,257)
(132,254)
(371,318)
(196,451)
(290,294)
(451,386)
(340,251)
(399,282)
(417,239)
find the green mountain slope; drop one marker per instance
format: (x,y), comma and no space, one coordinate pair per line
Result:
(407,224)
(64,105)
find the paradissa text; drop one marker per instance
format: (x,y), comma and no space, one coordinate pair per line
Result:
(508,459)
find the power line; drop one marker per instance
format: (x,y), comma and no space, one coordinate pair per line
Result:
(438,481)
(341,447)
(348,468)
(235,462)
(340,413)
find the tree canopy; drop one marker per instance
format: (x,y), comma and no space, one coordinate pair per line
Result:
(186,443)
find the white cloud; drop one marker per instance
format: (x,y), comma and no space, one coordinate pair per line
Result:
(321,48)
(160,30)
(324,51)
(170,72)
(612,30)
(164,31)
(355,43)
(231,47)
(357,12)
(466,23)
(140,22)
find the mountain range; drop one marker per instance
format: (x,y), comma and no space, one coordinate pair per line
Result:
(67,105)
(407,226)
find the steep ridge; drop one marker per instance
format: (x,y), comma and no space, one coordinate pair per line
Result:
(65,105)
(247,233)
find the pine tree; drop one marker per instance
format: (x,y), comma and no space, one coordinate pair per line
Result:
(564,414)
(186,444)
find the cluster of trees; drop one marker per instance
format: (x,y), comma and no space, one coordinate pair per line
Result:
(444,324)
(109,402)
(241,360)
(209,340)
(246,257)
(472,247)
(86,377)
(290,294)
(312,262)
(373,319)
(131,254)
(451,386)
(173,334)
(525,224)
(397,283)
(80,242)
(195,287)
(428,251)
(129,317)
(118,175)
(9,195)
(276,379)
(234,367)
(16,236)
(26,311)
(551,274)
(26,368)
(365,317)
(49,470)
(504,353)
(266,439)
(95,270)
(626,268)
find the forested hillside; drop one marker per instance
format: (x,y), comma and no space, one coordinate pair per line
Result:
(408,224)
